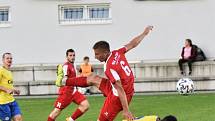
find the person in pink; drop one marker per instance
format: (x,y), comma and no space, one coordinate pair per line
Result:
(188,55)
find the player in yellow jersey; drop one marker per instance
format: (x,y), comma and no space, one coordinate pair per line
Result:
(9,109)
(155,118)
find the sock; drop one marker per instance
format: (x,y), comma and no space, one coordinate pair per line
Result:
(50,119)
(77,81)
(77,114)
(70,119)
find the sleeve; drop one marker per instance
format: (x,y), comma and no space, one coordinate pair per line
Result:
(193,53)
(182,53)
(65,70)
(80,70)
(92,70)
(122,50)
(112,75)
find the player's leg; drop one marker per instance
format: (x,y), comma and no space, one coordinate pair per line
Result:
(63,100)
(109,110)
(83,106)
(112,106)
(5,112)
(92,80)
(15,111)
(54,114)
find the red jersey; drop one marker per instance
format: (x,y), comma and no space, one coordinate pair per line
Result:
(70,72)
(117,69)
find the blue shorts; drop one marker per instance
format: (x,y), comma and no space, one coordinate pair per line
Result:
(9,110)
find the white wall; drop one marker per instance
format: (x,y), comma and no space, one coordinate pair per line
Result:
(36,37)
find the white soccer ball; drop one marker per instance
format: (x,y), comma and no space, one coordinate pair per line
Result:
(185,86)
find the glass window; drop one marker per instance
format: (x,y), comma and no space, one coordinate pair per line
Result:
(4,15)
(99,12)
(73,13)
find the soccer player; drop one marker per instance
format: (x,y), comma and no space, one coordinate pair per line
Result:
(9,108)
(119,87)
(155,118)
(68,94)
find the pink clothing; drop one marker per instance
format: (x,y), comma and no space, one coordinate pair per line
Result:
(187,52)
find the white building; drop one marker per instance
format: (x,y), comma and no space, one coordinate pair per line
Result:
(40,31)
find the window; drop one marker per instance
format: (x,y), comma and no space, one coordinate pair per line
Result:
(95,13)
(85,14)
(4,16)
(73,13)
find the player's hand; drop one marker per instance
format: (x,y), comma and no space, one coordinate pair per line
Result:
(9,91)
(128,115)
(147,30)
(15,91)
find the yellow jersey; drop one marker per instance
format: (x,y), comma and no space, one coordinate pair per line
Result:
(146,118)
(6,81)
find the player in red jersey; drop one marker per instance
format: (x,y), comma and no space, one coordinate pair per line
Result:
(68,94)
(119,87)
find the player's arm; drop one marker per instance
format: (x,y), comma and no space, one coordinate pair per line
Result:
(123,99)
(10,91)
(136,41)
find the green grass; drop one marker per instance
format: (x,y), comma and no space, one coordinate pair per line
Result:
(197,107)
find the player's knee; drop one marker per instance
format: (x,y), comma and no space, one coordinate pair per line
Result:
(18,118)
(84,106)
(55,113)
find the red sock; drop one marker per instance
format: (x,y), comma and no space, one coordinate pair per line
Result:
(77,81)
(50,119)
(77,114)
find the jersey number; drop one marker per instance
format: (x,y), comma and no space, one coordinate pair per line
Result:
(125,68)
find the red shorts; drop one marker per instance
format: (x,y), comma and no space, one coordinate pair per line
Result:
(66,96)
(112,105)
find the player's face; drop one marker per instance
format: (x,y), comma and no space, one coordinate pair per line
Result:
(71,57)
(86,61)
(7,60)
(101,55)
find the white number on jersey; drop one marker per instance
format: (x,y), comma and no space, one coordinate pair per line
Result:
(58,104)
(125,68)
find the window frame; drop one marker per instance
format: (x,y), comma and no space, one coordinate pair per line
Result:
(8,22)
(86,17)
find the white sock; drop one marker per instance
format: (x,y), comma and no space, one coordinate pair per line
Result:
(70,119)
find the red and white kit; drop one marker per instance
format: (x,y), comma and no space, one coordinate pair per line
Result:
(68,94)
(116,69)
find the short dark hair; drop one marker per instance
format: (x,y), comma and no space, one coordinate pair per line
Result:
(69,50)
(7,53)
(86,58)
(169,118)
(102,45)
(189,41)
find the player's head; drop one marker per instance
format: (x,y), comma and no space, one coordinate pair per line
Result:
(188,42)
(169,118)
(70,55)
(86,59)
(7,59)
(101,50)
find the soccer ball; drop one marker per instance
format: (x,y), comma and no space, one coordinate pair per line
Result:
(185,86)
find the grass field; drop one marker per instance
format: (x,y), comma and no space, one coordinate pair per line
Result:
(197,107)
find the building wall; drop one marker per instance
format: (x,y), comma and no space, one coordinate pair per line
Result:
(36,36)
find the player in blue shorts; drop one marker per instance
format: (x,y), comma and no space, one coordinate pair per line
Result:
(9,108)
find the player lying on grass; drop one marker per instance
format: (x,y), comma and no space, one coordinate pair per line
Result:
(155,118)
(119,85)
(69,94)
